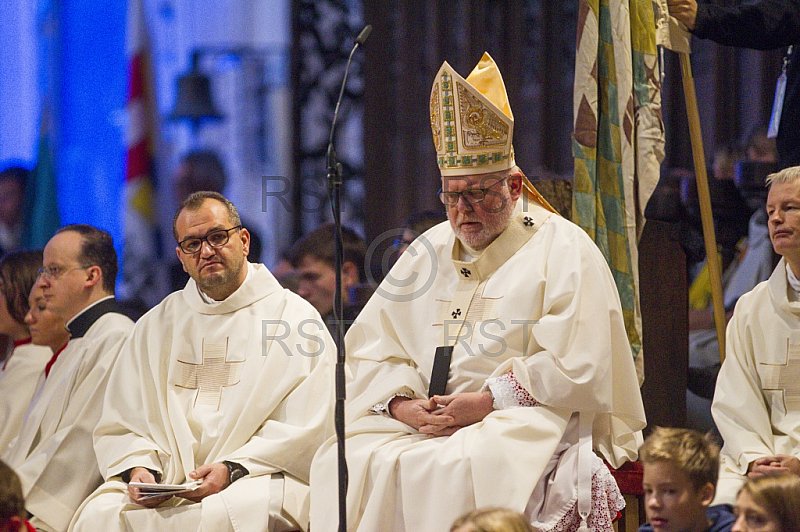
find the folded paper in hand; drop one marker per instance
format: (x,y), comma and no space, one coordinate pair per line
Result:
(149,490)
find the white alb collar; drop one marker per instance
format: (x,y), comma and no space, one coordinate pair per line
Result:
(794,282)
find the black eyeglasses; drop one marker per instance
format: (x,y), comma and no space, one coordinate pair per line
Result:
(215,239)
(471,195)
(54,272)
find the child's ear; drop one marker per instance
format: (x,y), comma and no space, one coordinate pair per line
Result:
(707,493)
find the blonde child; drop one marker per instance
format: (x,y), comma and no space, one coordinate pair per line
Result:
(680,477)
(491,519)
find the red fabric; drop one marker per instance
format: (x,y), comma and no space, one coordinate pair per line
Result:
(136,81)
(53,361)
(137,161)
(629,478)
(16,345)
(15,524)
(520,393)
(22,342)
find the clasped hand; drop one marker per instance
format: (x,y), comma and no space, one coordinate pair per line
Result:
(767,465)
(215,479)
(442,415)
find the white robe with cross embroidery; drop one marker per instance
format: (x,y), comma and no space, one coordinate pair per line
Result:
(247,379)
(540,302)
(757,400)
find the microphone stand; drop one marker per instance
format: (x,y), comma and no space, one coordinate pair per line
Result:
(334,193)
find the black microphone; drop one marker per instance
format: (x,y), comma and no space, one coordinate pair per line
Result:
(362,37)
(334,191)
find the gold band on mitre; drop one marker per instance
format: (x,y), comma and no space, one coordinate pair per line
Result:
(472,123)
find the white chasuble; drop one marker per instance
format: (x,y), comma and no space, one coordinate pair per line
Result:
(539,302)
(18,382)
(757,400)
(247,379)
(53,454)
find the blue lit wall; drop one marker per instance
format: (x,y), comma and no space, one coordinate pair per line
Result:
(91,155)
(19,92)
(90,84)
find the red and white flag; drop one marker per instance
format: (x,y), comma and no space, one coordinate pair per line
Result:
(140,280)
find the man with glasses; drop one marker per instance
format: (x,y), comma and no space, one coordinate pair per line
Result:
(53,454)
(226,385)
(492,361)
(204,170)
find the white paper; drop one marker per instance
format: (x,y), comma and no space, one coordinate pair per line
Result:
(148,490)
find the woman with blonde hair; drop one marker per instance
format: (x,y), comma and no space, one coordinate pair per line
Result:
(770,503)
(491,519)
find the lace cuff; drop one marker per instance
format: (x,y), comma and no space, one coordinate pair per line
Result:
(508,392)
(383,407)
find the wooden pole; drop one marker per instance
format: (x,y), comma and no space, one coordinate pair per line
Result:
(712,256)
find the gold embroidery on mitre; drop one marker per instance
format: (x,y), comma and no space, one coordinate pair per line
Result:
(448,150)
(478,113)
(212,375)
(436,119)
(480,126)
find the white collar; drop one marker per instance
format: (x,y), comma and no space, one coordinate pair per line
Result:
(794,282)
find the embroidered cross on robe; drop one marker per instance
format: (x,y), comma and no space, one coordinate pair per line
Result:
(785,378)
(212,375)
(479,309)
